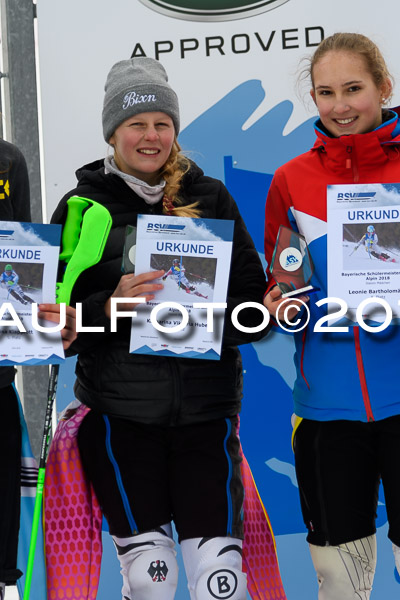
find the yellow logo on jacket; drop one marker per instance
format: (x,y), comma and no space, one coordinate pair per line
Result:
(6,187)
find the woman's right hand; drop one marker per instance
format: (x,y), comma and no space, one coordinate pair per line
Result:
(277,305)
(135,286)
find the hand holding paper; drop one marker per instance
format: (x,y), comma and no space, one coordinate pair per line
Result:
(135,286)
(51,312)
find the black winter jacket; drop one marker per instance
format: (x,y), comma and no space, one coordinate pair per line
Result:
(156,389)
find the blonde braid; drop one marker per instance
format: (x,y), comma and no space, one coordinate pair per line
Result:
(173,171)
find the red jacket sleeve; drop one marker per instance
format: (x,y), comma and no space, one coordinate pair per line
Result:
(276,214)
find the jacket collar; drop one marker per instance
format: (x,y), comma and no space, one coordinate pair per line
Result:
(388,130)
(368,149)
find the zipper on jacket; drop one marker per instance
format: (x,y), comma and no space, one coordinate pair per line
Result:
(176,402)
(349,150)
(351,163)
(361,373)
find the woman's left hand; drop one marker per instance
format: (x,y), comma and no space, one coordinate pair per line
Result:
(51,312)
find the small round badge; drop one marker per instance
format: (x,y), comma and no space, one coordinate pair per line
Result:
(290,259)
(132,254)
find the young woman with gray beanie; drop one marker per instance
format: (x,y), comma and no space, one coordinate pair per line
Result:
(160,442)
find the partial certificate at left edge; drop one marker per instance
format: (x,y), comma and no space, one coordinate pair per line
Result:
(28,273)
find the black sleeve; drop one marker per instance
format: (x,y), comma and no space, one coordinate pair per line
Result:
(247,281)
(14,205)
(20,184)
(14,187)
(93,315)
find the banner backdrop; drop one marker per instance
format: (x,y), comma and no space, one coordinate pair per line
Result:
(234,65)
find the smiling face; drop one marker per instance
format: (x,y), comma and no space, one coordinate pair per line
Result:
(347,98)
(142,145)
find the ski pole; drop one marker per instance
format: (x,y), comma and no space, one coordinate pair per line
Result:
(29,287)
(198,276)
(354,249)
(51,394)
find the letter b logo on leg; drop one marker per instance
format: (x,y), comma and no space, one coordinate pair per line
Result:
(222,584)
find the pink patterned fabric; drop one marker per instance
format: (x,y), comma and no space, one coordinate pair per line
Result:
(72,519)
(260,560)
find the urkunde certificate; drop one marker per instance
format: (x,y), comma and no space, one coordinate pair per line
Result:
(28,273)
(364,248)
(186,317)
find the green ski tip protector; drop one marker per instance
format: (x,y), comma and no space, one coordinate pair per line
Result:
(84,237)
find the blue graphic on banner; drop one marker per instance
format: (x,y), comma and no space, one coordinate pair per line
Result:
(261,148)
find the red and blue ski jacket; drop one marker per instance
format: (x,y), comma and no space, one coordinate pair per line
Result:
(348,375)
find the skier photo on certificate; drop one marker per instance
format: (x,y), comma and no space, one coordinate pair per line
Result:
(378,242)
(370,241)
(9,280)
(178,273)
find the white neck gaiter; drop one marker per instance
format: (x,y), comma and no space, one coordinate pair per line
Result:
(150,193)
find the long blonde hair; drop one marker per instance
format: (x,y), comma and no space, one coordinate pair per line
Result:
(173,172)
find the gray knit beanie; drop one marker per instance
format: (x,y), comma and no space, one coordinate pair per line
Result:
(134,86)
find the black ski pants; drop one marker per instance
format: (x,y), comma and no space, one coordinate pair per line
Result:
(339,465)
(10,493)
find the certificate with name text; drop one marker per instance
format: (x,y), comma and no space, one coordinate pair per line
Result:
(364,248)
(186,317)
(28,274)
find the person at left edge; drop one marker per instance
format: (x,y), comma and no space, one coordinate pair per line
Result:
(15,206)
(160,442)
